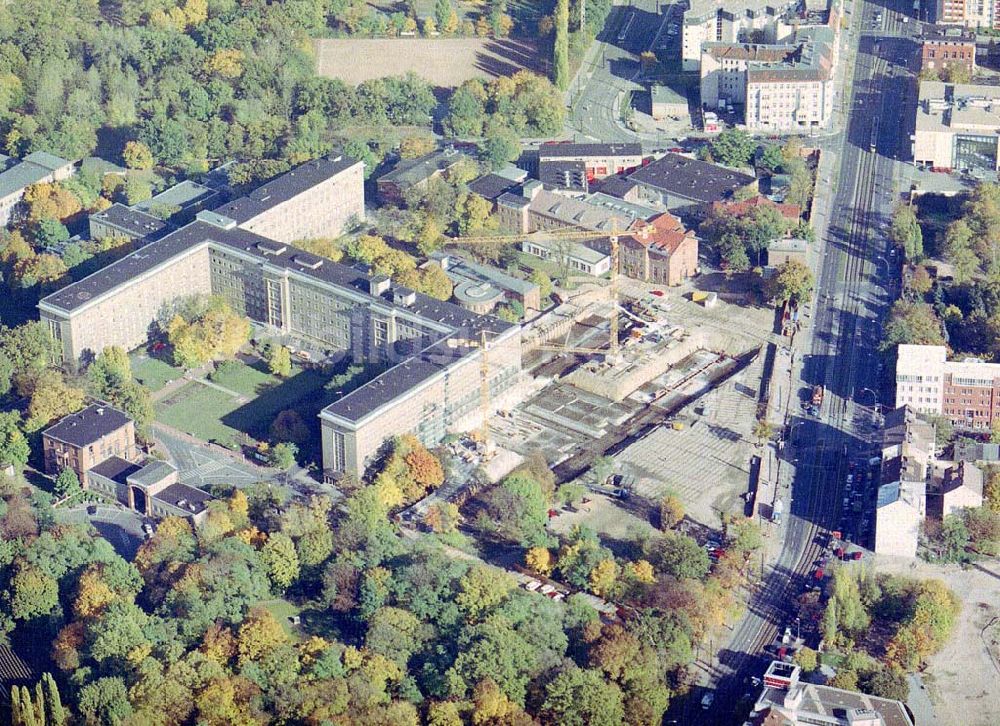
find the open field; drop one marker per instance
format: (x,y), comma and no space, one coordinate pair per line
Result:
(445,62)
(198,410)
(245,379)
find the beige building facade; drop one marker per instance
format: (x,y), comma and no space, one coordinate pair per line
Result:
(430,348)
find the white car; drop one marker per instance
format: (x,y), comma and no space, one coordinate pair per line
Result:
(707,700)
(532,585)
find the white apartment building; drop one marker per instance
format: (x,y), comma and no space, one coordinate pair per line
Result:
(779,87)
(750,21)
(967,392)
(970,13)
(920,377)
(956,126)
(709,21)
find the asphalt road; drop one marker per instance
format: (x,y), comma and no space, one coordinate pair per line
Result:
(839,348)
(612,67)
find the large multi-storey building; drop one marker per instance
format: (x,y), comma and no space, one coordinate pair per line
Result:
(710,21)
(782,87)
(970,13)
(316,199)
(967,391)
(431,348)
(956,126)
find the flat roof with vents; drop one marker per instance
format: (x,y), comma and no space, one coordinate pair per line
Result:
(692,179)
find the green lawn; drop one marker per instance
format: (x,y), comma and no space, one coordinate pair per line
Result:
(283,611)
(154,373)
(198,410)
(248,380)
(213,415)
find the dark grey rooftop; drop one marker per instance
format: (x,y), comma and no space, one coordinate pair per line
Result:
(564,174)
(556,151)
(185,497)
(492,186)
(417,368)
(617,186)
(116,469)
(88,425)
(284,187)
(691,179)
(133,222)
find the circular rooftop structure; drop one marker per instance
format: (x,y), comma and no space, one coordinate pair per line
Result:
(479,297)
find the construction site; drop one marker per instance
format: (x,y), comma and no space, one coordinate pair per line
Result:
(673,404)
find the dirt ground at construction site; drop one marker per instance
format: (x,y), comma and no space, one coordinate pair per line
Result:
(687,431)
(964,677)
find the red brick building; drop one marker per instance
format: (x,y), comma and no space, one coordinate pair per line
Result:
(944,47)
(791,212)
(661,251)
(84,439)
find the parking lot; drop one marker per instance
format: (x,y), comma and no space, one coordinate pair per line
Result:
(705,460)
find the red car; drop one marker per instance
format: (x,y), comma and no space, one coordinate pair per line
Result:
(158,346)
(553,513)
(819,573)
(839,552)
(658,293)
(676,150)
(857,555)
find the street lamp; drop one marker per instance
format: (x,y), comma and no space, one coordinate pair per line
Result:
(874,395)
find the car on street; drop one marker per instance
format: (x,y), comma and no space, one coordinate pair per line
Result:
(707,700)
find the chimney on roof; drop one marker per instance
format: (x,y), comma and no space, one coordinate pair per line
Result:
(377,285)
(100,411)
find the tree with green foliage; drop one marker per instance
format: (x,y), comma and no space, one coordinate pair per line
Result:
(279,360)
(678,555)
(281,560)
(137,155)
(885,682)
(733,147)
(793,281)
(501,146)
(14,447)
(49,233)
(582,697)
(517,510)
(560,47)
(772,158)
(913,323)
(905,232)
(66,484)
(282,455)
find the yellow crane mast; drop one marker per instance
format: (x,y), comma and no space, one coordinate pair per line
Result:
(485,398)
(574,235)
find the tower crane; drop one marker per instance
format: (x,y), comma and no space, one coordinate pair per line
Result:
(573,235)
(482,343)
